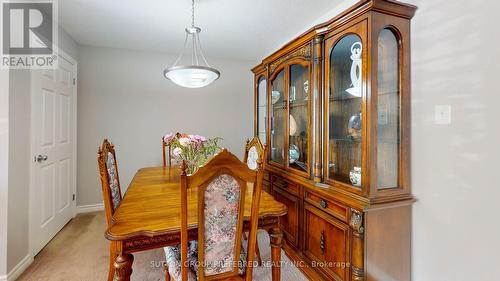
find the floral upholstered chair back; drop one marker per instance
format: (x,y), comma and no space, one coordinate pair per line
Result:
(110,181)
(222,193)
(254,151)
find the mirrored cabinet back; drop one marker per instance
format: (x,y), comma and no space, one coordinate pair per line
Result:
(333,108)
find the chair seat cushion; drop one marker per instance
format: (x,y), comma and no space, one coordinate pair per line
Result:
(193,258)
(173,260)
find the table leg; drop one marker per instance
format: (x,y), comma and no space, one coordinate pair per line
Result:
(276,238)
(112,257)
(123,266)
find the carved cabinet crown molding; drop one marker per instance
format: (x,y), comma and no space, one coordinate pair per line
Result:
(303,52)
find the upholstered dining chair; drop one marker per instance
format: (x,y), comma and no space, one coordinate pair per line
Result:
(222,190)
(110,182)
(166,149)
(254,153)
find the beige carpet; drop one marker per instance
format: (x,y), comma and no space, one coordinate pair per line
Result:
(80,253)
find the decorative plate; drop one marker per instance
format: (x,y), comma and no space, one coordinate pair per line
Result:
(293,126)
(252,158)
(354,126)
(275,96)
(293,153)
(306,89)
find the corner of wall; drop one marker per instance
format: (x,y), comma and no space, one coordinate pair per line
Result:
(4,167)
(17,270)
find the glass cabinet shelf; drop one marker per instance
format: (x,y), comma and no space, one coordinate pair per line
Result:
(298,107)
(261,117)
(290,118)
(299,104)
(345,99)
(278,119)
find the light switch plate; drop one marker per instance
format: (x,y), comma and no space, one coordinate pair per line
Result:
(442,114)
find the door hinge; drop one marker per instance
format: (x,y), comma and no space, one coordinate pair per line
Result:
(74,197)
(74,81)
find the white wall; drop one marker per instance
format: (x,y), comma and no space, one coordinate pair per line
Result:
(123,96)
(19,167)
(4,167)
(455,61)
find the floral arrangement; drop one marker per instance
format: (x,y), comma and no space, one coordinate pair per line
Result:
(196,150)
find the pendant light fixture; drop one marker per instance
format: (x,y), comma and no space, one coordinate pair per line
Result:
(195,75)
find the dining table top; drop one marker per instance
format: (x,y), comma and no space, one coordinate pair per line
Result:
(151,206)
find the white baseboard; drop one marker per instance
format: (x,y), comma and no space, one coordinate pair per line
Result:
(89,208)
(18,269)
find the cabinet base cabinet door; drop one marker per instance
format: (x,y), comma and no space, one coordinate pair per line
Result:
(290,222)
(327,243)
(266,186)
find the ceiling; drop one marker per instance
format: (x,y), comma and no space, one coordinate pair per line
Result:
(233,29)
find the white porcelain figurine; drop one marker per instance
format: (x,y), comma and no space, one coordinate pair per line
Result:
(356,68)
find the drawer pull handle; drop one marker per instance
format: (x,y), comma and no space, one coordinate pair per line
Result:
(322,242)
(323,203)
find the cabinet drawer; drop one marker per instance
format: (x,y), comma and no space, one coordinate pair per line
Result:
(335,209)
(289,223)
(327,243)
(280,182)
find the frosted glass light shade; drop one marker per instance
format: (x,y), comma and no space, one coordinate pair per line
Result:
(193,76)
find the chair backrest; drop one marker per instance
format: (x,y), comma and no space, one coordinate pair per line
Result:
(166,149)
(108,169)
(254,152)
(222,188)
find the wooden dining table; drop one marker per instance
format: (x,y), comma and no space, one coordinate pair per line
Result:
(149,217)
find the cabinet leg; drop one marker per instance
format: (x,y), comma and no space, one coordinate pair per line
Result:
(276,238)
(357,246)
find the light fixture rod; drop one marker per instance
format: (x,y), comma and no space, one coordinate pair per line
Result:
(192,13)
(201,50)
(183,50)
(195,49)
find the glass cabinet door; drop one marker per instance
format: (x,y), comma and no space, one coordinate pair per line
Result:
(261,109)
(278,114)
(298,98)
(388,107)
(345,111)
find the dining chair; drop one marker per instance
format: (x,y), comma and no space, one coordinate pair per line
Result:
(166,148)
(110,182)
(221,189)
(254,152)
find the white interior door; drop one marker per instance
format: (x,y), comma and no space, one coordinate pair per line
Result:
(53,128)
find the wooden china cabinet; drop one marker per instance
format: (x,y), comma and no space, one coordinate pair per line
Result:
(333,107)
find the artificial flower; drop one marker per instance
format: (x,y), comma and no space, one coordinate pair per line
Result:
(196,150)
(168,138)
(177,151)
(184,141)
